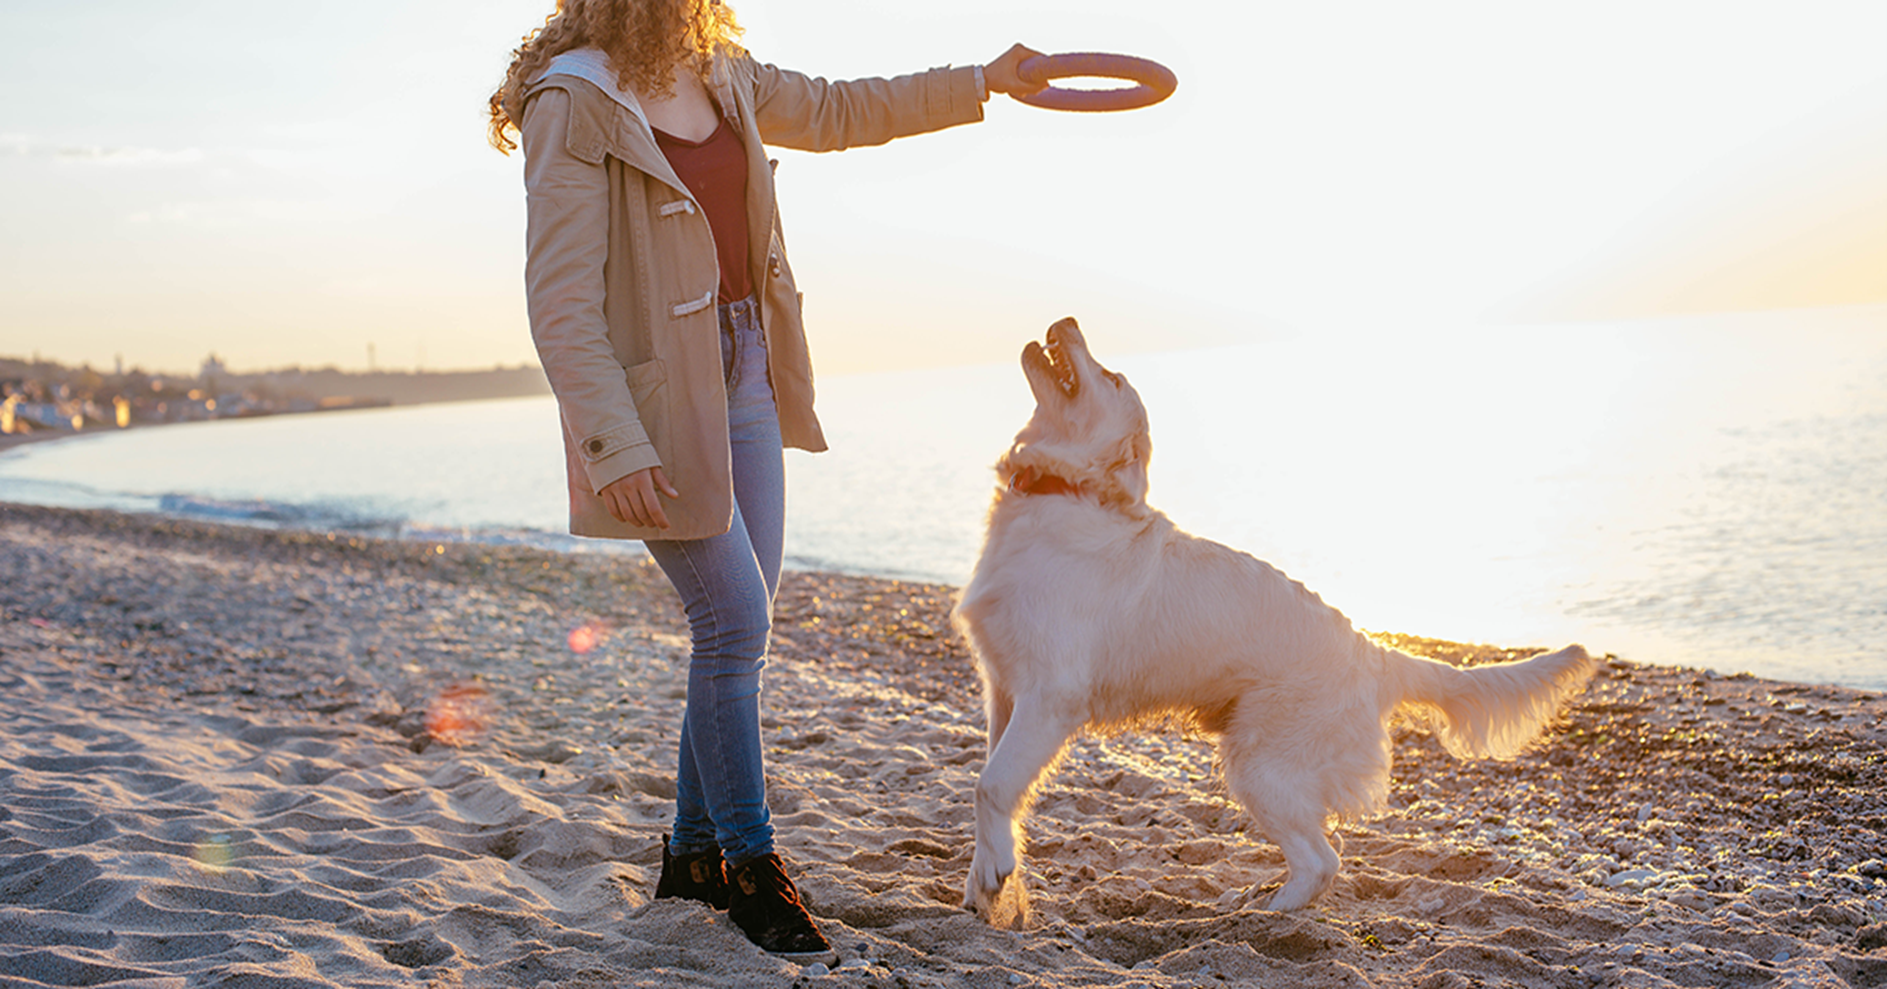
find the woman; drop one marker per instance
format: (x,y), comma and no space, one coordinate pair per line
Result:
(666,317)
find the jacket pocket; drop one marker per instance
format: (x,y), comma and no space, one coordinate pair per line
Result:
(692,306)
(648,388)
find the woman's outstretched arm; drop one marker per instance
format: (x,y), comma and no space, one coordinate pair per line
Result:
(813,114)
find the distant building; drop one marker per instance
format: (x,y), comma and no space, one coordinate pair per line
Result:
(212,371)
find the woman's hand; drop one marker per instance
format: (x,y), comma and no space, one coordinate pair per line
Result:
(1000,76)
(633,498)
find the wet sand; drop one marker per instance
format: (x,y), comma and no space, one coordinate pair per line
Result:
(215,769)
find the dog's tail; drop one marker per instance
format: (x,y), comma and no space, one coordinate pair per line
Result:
(1493,710)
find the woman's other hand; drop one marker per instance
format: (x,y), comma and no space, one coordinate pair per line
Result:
(634,499)
(1000,76)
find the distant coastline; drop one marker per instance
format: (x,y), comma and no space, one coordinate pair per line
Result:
(42,400)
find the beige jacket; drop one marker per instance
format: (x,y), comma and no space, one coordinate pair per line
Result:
(621,272)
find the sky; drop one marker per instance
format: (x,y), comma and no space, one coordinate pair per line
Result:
(309,184)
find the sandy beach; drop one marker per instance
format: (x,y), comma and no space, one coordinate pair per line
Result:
(216,770)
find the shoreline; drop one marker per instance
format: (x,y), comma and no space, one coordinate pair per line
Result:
(215,765)
(10,441)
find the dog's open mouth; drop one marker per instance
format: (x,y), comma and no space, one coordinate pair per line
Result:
(1059,365)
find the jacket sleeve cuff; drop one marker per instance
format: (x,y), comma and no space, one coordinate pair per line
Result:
(617,453)
(954,95)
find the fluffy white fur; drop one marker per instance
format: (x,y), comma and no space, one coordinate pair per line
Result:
(1090,609)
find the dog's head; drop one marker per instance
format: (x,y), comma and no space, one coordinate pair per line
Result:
(1089,428)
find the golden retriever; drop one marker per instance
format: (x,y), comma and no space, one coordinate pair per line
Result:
(1090,609)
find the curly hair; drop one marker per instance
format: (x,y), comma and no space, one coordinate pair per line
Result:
(646,40)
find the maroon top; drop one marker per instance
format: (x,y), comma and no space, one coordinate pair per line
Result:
(715,171)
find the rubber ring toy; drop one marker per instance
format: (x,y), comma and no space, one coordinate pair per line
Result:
(1157,82)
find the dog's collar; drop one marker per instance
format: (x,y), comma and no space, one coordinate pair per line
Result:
(1029,481)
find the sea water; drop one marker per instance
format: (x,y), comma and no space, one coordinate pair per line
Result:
(1705,492)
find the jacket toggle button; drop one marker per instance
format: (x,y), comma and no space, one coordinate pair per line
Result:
(596,446)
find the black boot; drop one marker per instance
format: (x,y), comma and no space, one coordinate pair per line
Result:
(695,876)
(765,905)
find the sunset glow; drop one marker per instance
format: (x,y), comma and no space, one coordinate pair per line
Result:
(1357,493)
(1353,163)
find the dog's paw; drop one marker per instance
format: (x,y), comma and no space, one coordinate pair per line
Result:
(984,884)
(1295,895)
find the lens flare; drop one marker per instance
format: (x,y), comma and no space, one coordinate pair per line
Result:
(586,637)
(460,714)
(215,853)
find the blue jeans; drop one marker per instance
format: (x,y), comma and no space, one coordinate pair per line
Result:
(727,583)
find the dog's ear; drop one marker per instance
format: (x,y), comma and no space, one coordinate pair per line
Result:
(1009,464)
